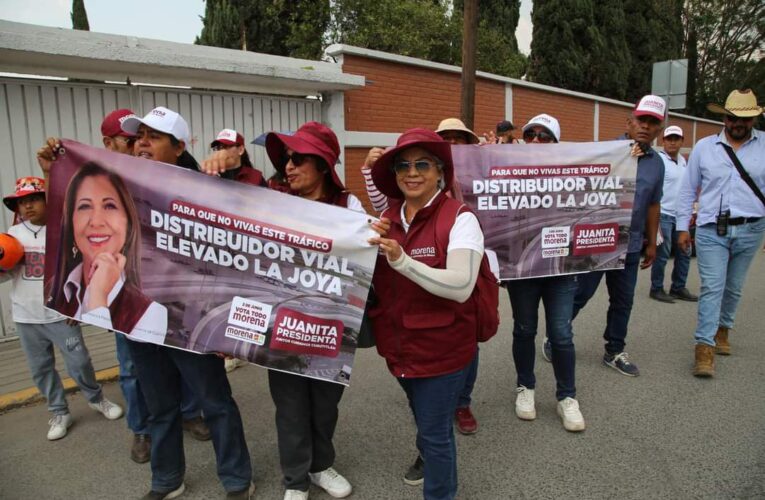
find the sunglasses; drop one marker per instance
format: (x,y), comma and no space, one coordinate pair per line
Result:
(542,137)
(402,167)
(297,159)
(734,119)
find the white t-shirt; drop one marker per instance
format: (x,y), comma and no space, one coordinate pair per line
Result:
(27,294)
(465,233)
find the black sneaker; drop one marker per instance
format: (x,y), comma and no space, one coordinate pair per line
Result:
(547,350)
(661,296)
(168,495)
(684,294)
(620,363)
(415,476)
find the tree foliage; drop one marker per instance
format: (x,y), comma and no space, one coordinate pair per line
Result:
(563,33)
(727,41)
(221,26)
(79,16)
(610,58)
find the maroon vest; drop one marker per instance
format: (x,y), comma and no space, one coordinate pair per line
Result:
(126,310)
(249,175)
(418,333)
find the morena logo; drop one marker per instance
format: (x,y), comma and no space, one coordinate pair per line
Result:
(122,120)
(158,112)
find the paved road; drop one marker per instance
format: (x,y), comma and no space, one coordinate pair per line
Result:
(662,435)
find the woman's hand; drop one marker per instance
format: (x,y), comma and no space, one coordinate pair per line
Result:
(373,155)
(46,155)
(219,162)
(491,137)
(102,276)
(381,226)
(390,248)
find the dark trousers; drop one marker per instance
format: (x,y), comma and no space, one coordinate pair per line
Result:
(161,373)
(557,295)
(621,292)
(306,417)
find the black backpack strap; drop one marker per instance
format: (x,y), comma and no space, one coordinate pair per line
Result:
(743,173)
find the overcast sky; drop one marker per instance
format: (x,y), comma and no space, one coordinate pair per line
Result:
(172,20)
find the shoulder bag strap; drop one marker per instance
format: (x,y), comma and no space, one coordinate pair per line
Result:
(743,173)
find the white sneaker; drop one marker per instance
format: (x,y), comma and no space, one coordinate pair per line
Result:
(110,410)
(524,404)
(572,418)
(332,482)
(58,426)
(295,495)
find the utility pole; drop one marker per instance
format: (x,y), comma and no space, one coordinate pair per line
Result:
(469,34)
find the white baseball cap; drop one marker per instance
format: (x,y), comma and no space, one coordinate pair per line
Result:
(547,122)
(161,119)
(673,130)
(651,105)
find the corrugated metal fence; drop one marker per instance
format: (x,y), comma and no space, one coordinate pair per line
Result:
(31,110)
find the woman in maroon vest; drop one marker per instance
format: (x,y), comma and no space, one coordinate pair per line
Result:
(306,408)
(424,322)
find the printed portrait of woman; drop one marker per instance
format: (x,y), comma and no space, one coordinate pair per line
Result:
(100,256)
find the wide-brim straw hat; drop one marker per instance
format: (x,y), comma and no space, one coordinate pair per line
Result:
(741,103)
(385,178)
(458,125)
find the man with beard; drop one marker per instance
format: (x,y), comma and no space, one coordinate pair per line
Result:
(731,219)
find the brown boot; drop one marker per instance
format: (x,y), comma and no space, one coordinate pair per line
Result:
(705,361)
(722,346)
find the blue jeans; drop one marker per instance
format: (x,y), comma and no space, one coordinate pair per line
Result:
(621,292)
(137,413)
(161,372)
(682,259)
(723,263)
(467,389)
(433,401)
(37,341)
(557,294)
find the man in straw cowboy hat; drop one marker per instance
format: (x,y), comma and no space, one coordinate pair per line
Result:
(728,172)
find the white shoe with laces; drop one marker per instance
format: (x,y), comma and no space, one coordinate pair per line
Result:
(333,483)
(58,426)
(524,404)
(568,409)
(111,411)
(295,495)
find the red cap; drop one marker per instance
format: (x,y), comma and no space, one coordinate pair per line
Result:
(651,105)
(24,187)
(112,124)
(384,177)
(312,138)
(229,137)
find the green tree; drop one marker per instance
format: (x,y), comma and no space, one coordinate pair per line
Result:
(79,16)
(729,48)
(416,28)
(610,58)
(563,34)
(221,26)
(497,46)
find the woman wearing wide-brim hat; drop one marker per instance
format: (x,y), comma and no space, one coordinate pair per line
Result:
(424,323)
(306,408)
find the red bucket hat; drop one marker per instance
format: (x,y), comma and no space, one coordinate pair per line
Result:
(24,187)
(311,138)
(384,177)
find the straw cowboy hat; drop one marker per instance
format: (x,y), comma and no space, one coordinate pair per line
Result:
(741,103)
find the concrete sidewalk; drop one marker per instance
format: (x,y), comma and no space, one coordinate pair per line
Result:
(663,435)
(16,385)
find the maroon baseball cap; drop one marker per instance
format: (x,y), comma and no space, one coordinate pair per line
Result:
(384,177)
(311,138)
(228,137)
(112,124)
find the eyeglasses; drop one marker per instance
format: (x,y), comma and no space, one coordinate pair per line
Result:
(127,140)
(222,147)
(542,136)
(421,166)
(734,119)
(297,159)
